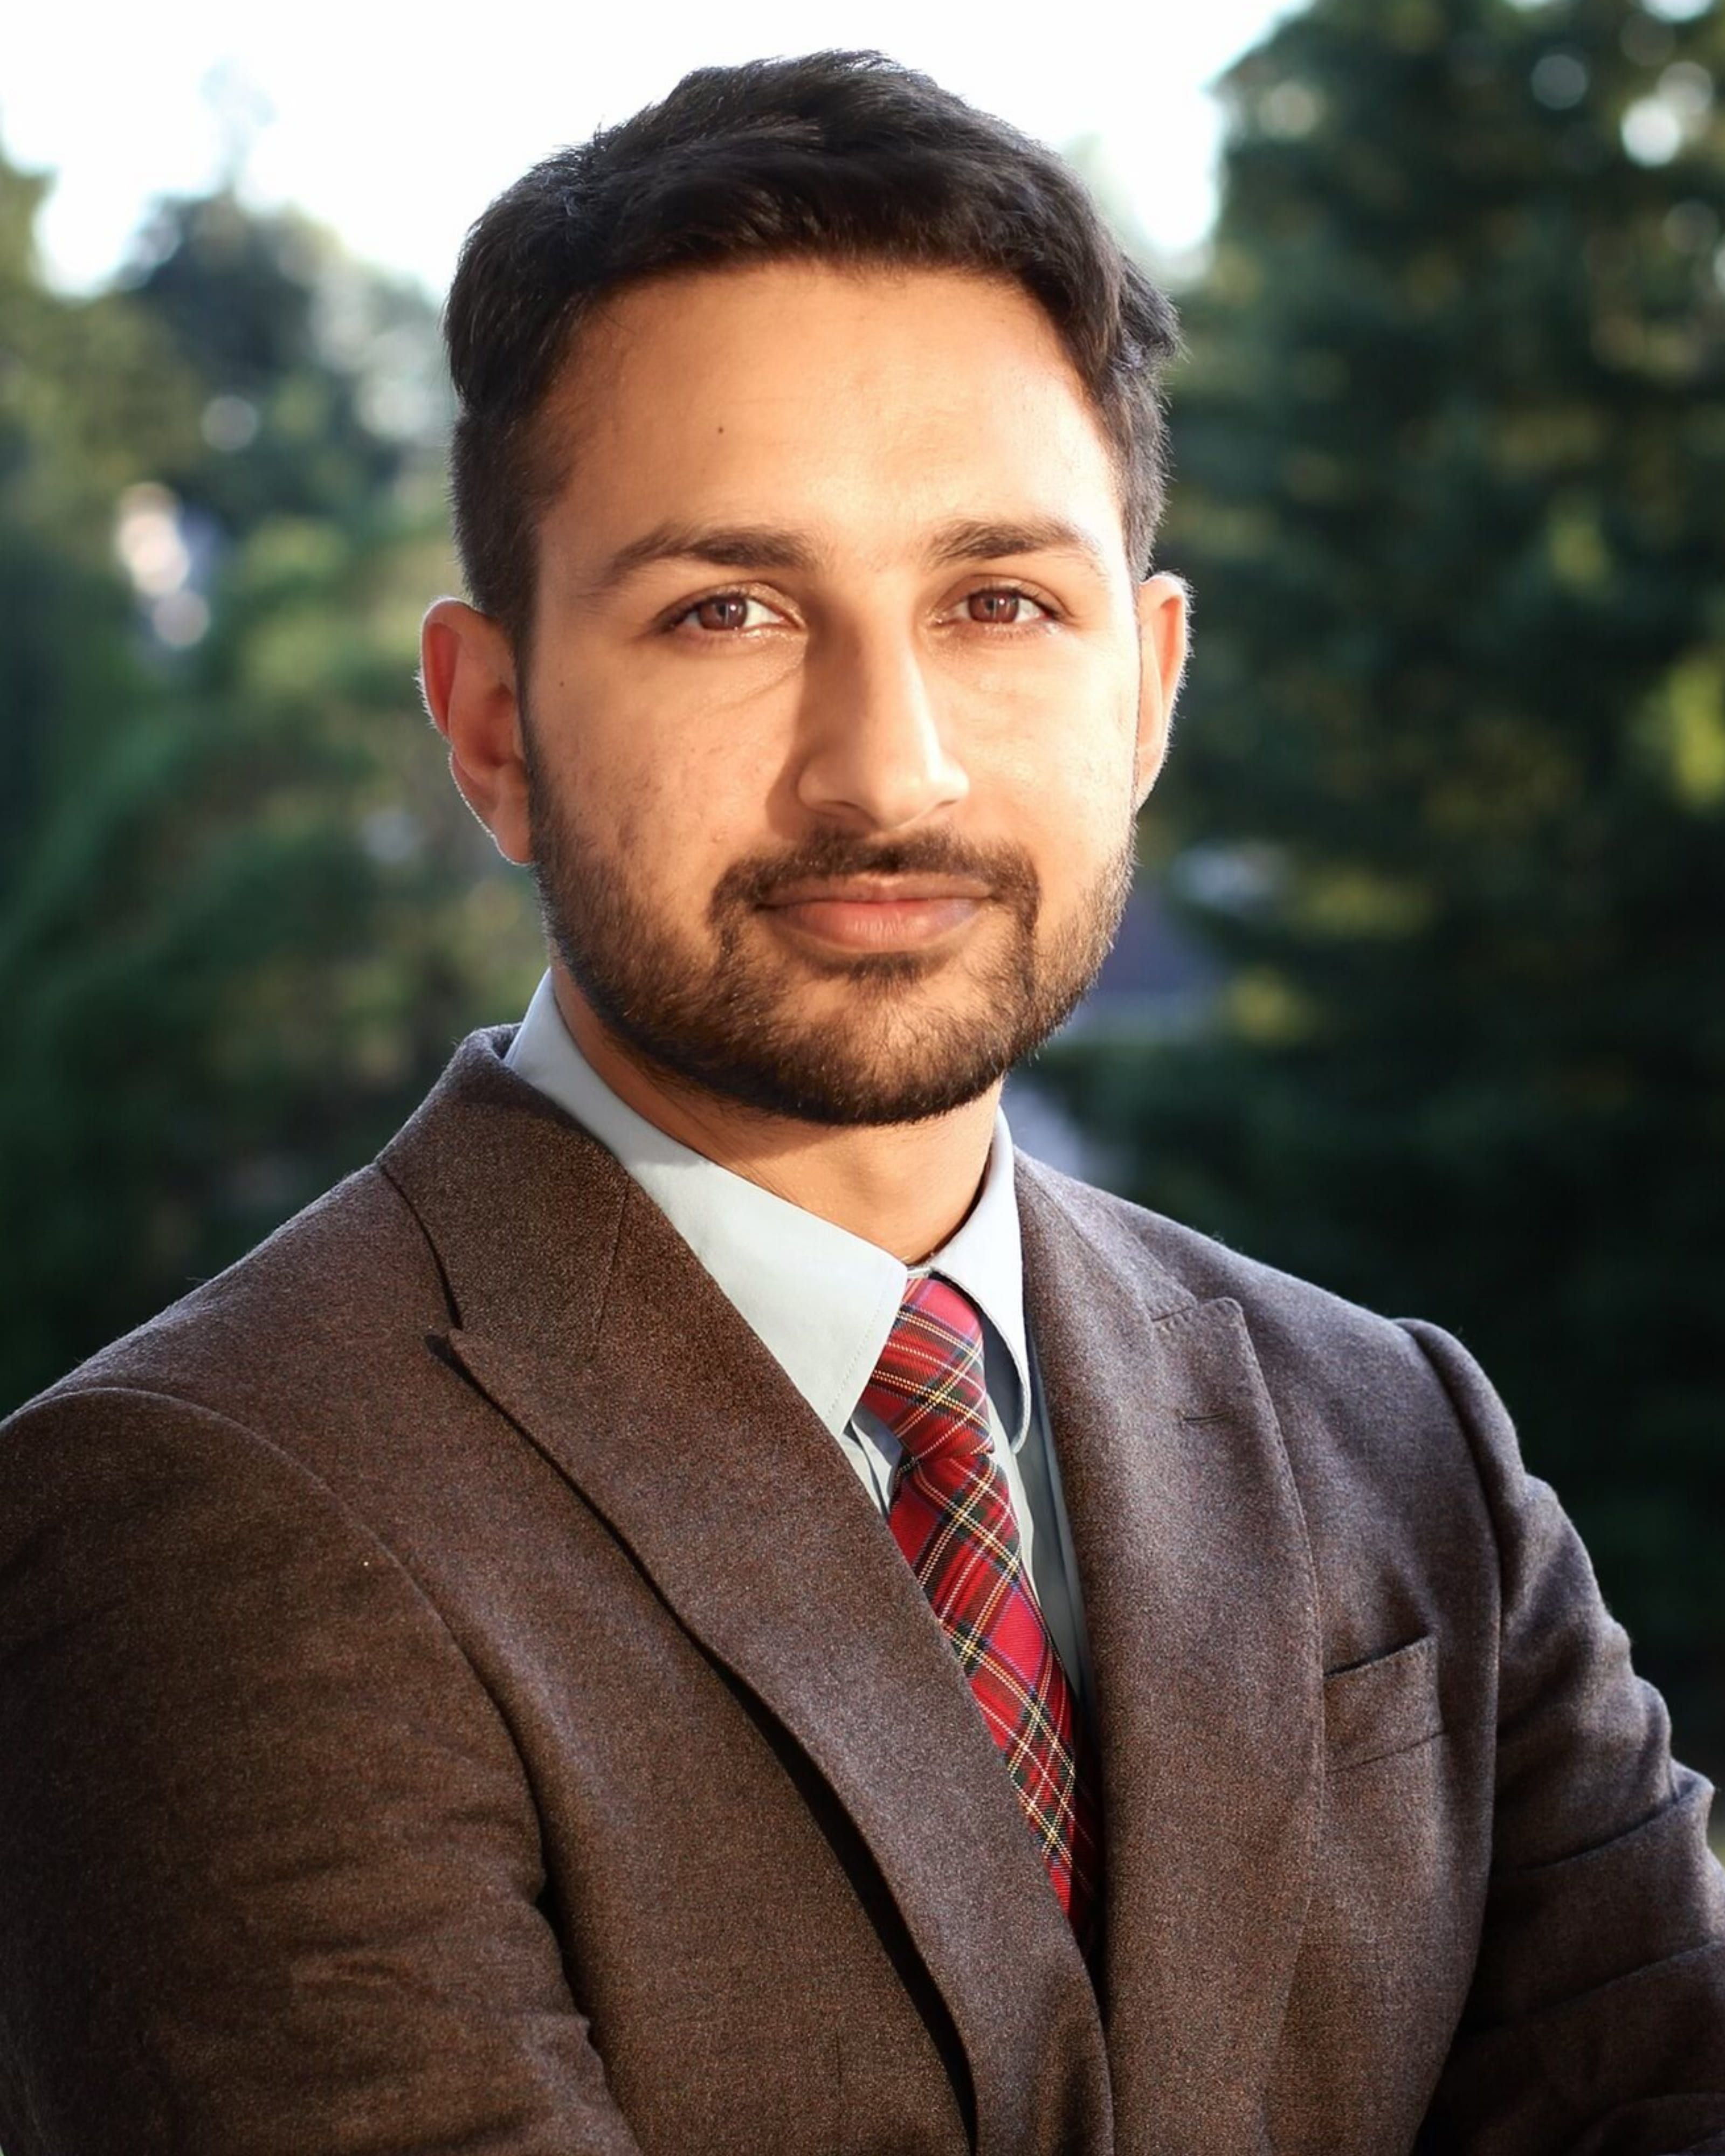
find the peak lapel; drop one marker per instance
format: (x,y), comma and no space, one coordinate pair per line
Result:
(589,1322)
(1200,1602)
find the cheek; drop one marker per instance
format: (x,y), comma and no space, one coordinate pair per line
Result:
(690,738)
(1068,769)
(646,782)
(1082,840)
(676,820)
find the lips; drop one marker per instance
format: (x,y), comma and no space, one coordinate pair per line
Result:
(876,913)
(876,890)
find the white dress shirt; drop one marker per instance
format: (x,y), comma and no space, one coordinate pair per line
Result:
(822,1301)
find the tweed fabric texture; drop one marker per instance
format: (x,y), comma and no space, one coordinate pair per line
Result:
(951,1516)
(455,1695)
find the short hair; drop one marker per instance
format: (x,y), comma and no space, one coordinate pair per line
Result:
(845,157)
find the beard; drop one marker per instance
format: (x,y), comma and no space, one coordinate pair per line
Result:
(723,1021)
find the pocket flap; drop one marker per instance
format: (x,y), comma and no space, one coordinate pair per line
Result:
(1387,1704)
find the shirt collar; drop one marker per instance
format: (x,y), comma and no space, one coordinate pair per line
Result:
(821,1299)
(984,1259)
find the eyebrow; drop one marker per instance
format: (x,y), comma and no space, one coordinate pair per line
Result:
(993,540)
(757,547)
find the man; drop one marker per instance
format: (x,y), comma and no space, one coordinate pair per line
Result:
(701,1603)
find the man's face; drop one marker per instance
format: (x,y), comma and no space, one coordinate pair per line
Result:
(836,710)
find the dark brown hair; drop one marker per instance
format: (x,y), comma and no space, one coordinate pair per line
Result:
(845,157)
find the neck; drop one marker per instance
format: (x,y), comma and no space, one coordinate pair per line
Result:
(904,1186)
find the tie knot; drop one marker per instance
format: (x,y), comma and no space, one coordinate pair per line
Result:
(927,1386)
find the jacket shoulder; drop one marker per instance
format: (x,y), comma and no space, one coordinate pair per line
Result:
(1286,1316)
(329,1293)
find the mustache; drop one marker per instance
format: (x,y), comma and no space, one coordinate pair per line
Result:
(1005,870)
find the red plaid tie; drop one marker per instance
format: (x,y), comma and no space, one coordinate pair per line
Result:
(952,1518)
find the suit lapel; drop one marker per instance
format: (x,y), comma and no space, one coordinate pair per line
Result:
(1200,1602)
(586,1319)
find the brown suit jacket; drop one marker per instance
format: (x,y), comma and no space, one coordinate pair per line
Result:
(455,1697)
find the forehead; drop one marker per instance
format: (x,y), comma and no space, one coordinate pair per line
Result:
(857,401)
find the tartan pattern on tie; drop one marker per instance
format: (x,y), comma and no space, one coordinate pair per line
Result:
(951,1516)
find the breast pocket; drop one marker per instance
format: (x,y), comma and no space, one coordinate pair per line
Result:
(1375,1709)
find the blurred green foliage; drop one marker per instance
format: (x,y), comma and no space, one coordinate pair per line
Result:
(1448,795)
(243,916)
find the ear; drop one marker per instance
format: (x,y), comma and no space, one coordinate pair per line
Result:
(467,676)
(1163,604)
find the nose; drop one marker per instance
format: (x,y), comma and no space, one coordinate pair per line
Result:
(874,754)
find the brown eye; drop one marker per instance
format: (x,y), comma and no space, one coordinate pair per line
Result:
(730,610)
(1000,609)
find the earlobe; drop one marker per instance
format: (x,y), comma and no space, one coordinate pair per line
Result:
(467,679)
(1163,604)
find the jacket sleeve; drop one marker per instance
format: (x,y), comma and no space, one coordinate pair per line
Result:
(1596,2022)
(271,1865)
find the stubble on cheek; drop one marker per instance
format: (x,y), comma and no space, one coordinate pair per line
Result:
(699,987)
